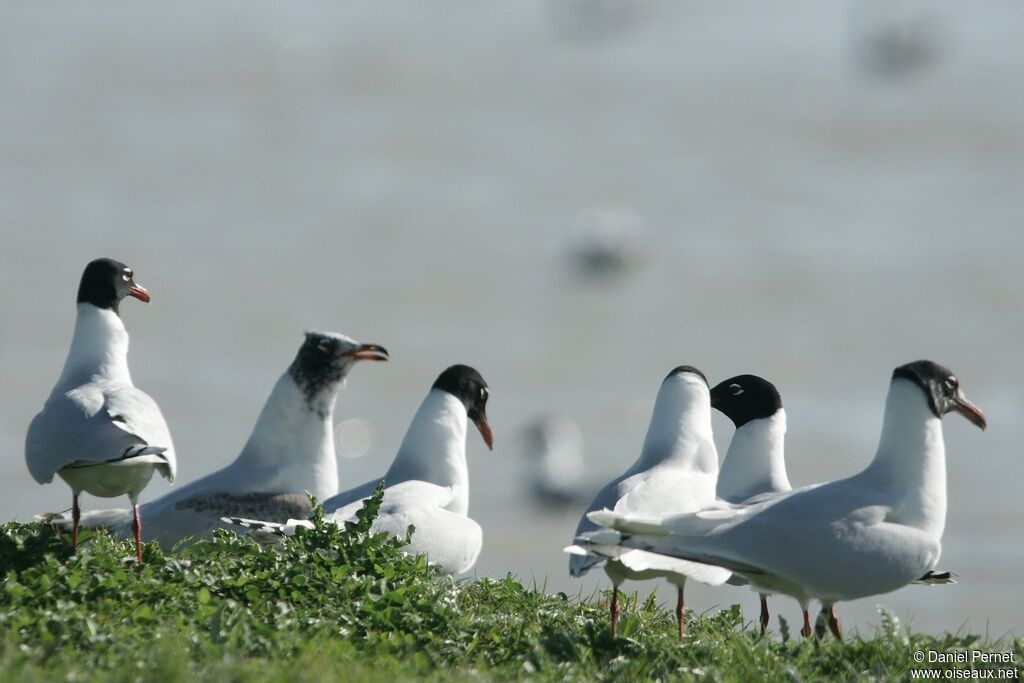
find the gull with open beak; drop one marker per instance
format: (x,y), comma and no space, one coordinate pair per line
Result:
(97,431)
(427,485)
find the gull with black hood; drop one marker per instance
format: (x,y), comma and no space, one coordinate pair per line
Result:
(97,431)
(871,533)
(754,466)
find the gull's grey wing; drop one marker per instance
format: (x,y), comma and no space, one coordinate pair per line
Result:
(606,498)
(334,505)
(849,548)
(135,412)
(198,515)
(273,507)
(94,424)
(195,516)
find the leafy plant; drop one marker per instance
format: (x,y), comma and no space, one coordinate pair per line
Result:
(342,602)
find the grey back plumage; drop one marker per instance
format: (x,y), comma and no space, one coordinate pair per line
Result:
(96,423)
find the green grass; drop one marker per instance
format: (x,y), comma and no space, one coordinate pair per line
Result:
(340,604)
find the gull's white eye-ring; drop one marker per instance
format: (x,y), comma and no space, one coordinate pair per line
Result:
(126,274)
(484,393)
(952,384)
(736,389)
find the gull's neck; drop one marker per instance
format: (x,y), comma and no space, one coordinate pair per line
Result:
(99,348)
(910,464)
(679,434)
(755,462)
(293,441)
(434,449)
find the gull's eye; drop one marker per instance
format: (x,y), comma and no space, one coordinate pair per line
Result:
(952,384)
(736,389)
(126,274)
(326,345)
(484,393)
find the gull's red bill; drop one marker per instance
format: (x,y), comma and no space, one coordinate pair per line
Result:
(139,292)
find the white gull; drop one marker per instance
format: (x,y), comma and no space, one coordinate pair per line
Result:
(97,431)
(871,533)
(427,485)
(676,472)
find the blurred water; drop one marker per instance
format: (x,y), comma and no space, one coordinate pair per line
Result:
(412,175)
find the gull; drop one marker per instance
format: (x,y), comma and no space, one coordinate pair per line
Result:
(755,462)
(290,452)
(96,430)
(754,466)
(554,453)
(427,485)
(676,472)
(871,533)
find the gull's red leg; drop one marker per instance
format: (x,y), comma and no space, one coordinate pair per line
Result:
(764,614)
(833,623)
(680,616)
(76,514)
(615,611)
(137,529)
(806,631)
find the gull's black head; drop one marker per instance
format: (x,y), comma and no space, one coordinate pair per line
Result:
(466,384)
(941,388)
(106,281)
(686,368)
(325,358)
(746,397)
